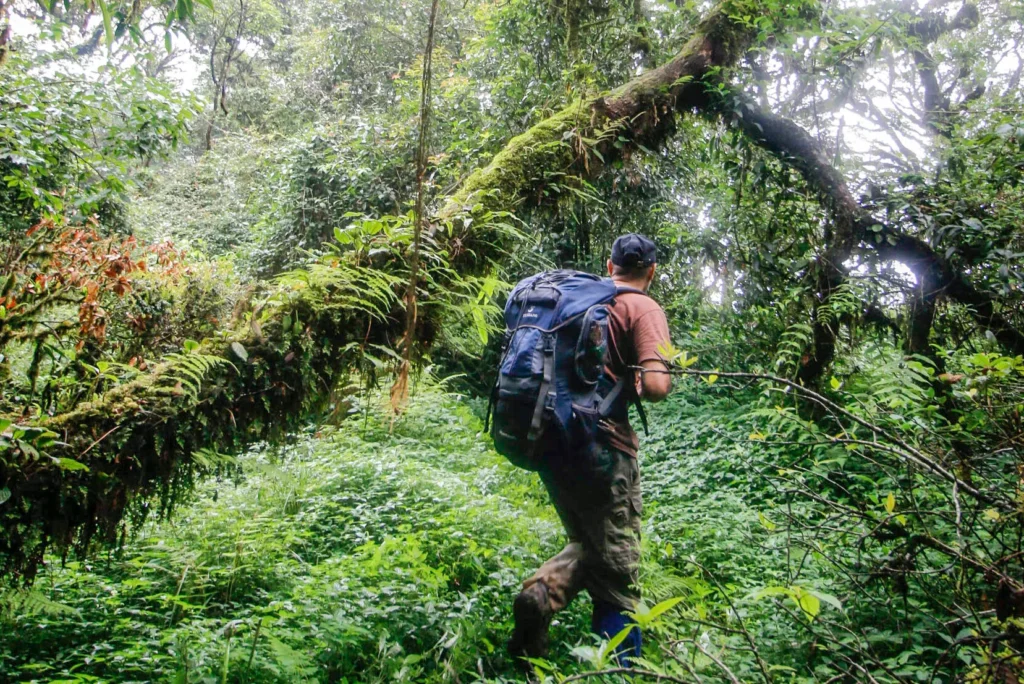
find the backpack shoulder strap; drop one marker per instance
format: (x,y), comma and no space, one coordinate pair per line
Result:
(605,407)
(643,415)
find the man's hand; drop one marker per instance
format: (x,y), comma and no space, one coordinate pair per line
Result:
(654,382)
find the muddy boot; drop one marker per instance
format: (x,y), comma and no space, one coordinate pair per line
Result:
(532,614)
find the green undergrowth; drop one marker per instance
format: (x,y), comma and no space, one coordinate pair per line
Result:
(388,549)
(374,551)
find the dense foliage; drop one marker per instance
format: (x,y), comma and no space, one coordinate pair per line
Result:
(206,239)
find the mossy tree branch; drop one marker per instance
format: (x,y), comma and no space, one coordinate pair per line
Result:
(641,111)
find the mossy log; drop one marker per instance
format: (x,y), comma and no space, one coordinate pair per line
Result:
(132,448)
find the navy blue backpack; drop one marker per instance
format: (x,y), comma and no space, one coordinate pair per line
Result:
(552,390)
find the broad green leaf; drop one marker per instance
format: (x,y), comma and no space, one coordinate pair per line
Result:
(890,502)
(588,654)
(767,592)
(765,522)
(828,598)
(808,603)
(27,449)
(481,323)
(835,384)
(613,643)
(70,464)
(5,494)
(662,607)
(645,616)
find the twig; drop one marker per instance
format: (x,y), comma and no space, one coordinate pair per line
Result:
(743,628)
(722,666)
(103,437)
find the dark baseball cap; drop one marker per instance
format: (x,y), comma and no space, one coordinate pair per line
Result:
(633,251)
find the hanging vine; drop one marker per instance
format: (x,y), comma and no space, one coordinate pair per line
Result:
(400,391)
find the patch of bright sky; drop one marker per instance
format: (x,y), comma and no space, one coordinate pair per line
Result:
(183,70)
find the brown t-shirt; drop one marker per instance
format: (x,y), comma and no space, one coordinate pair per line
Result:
(636,328)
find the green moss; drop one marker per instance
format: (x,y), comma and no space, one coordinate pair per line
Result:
(500,185)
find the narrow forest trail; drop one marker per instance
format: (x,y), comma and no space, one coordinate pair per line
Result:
(368,552)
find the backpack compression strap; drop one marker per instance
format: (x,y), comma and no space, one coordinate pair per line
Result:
(545,390)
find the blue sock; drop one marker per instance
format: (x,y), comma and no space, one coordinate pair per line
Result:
(610,619)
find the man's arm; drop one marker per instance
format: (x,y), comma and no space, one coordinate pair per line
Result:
(655,383)
(650,334)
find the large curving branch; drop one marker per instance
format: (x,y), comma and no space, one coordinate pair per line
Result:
(943,279)
(789,142)
(794,146)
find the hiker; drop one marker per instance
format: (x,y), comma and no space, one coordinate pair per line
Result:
(594,483)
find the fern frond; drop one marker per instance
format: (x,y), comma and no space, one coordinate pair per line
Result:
(21,602)
(791,347)
(334,283)
(185,372)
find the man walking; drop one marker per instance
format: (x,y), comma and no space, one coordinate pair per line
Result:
(597,494)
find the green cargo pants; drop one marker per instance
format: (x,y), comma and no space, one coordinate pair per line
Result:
(598,500)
